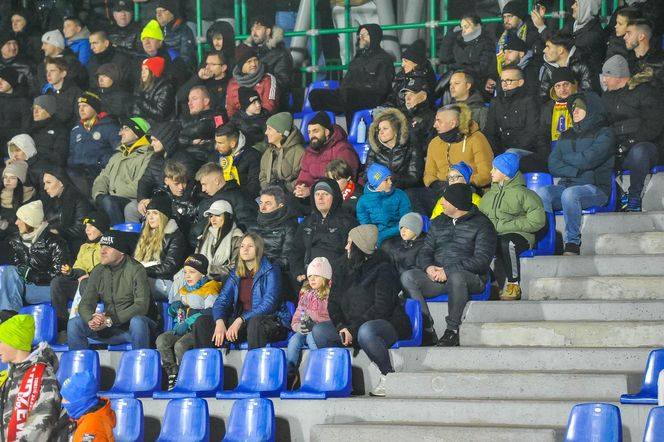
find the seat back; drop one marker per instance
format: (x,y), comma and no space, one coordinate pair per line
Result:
(139,372)
(537,179)
(77,361)
(594,422)
(186,420)
(355,136)
(323,84)
(655,425)
(329,371)
(546,239)
(426,222)
(128,227)
(306,118)
(654,365)
(414,312)
(264,370)
(128,420)
(201,370)
(46,323)
(251,420)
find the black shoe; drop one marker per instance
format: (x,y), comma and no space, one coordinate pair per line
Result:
(572,249)
(429,338)
(172,378)
(293,381)
(450,339)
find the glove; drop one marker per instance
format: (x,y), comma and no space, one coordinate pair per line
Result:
(306,326)
(174,307)
(181,328)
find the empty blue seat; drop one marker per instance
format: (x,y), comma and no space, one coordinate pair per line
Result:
(538,179)
(127,227)
(306,118)
(185,420)
(546,239)
(323,84)
(654,431)
(594,422)
(648,393)
(46,323)
(264,373)
(414,312)
(201,374)
(484,296)
(251,420)
(128,420)
(354,135)
(138,375)
(328,374)
(77,361)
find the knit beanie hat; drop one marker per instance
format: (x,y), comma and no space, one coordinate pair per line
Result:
(10,75)
(170,5)
(91,99)
(514,43)
(464,169)
(416,52)
(459,195)
(152,30)
(18,332)
(616,67)
(365,237)
(32,213)
(323,119)
(123,242)
(99,220)
(507,164)
(25,143)
(111,70)
(562,74)
(80,391)
(515,7)
(19,169)
(6,36)
(156,65)
(243,53)
(247,95)
(320,266)
(218,207)
(413,222)
(138,125)
(324,186)
(198,262)
(162,203)
(281,122)
(46,102)
(376,174)
(54,38)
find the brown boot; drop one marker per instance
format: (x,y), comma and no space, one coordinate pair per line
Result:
(512,292)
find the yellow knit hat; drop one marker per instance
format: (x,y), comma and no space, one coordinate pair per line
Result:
(152,30)
(18,332)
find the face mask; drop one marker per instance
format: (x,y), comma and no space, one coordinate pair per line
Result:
(78,408)
(451,136)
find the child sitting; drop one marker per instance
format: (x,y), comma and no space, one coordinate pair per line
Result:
(404,253)
(251,119)
(196,295)
(311,309)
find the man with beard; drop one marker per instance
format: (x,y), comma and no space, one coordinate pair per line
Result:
(643,56)
(240,162)
(515,26)
(251,72)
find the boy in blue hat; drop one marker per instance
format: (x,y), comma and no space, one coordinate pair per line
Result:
(91,417)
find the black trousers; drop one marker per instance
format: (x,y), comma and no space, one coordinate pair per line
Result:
(258,331)
(508,249)
(63,288)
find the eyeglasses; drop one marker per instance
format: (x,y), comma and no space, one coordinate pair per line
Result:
(508,81)
(454,177)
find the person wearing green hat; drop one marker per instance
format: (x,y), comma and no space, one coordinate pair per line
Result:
(117,184)
(30,377)
(280,163)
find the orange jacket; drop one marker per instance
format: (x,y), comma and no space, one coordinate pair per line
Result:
(98,423)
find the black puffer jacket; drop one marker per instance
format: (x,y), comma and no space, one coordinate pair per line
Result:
(585,76)
(405,162)
(404,254)
(67,212)
(467,245)
(52,141)
(216,88)
(252,126)
(371,70)
(401,79)
(197,127)
(157,103)
(652,60)
(278,231)
(420,122)
(116,101)
(173,253)
(45,257)
(14,116)
(477,56)
(513,122)
(118,58)
(126,39)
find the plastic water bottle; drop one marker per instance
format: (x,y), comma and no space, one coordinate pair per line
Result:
(660,388)
(362,131)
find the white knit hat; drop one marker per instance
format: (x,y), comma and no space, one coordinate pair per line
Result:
(55,38)
(25,143)
(32,213)
(320,266)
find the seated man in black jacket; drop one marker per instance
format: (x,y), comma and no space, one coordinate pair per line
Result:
(455,259)
(642,54)
(197,134)
(239,161)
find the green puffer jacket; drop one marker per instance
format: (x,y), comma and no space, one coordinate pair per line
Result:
(513,208)
(121,175)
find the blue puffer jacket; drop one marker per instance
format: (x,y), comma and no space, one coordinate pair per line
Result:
(81,48)
(95,147)
(265,296)
(384,209)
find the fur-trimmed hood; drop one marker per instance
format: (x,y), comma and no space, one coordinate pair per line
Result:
(466,123)
(402,129)
(276,37)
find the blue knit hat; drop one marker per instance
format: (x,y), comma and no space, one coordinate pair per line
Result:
(376,174)
(464,169)
(80,390)
(507,164)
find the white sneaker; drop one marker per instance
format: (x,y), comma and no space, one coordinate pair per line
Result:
(379,391)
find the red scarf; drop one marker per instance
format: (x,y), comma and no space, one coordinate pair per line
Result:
(25,400)
(348,191)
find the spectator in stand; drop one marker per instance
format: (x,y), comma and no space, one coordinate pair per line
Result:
(414,64)
(121,283)
(239,161)
(616,41)
(103,53)
(555,117)
(633,107)
(326,142)
(249,307)
(25,31)
(221,38)
(340,171)
(420,113)
(642,55)
(51,137)
(53,46)
(117,183)
(11,56)
(459,173)
(252,73)
(177,34)
(280,163)
(214,75)
(651,10)
(124,33)
(512,123)
(66,92)
(462,90)
(364,305)
(116,100)
(517,54)
(583,159)
(154,97)
(90,416)
(176,69)
(367,82)
(404,253)
(14,107)
(196,138)
(455,259)
(38,256)
(76,39)
(250,119)
(15,192)
(22,148)
(517,215)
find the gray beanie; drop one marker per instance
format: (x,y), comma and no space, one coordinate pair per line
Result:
(325,187)
(46,102)
(413,222)
(365,237)
(55,38)
(281,122)
(616,67)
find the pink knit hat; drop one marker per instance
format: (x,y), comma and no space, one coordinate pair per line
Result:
(320,267)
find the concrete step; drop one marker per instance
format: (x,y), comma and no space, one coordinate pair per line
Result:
(507,385)
(597,287)
(564,334)
(369,432)
(642,243)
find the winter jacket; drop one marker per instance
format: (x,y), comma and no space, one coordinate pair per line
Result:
(156,104)
(51,140)
(384,210)
(281,165)
(98,423)
(123,289)
(124,169)
(404,161)
(312,306)
(93,148)
(222,254)
(126,39)
(278,232)
(216,88)
(420,122)
(66,213)
(401,79)
(8,211)
(118,58)
(370,292)
(46,409)
(80,45)
(178,36)
(584,74)
(200,298)
(589,37)
(478,109)
(404,254)
(173,253)
(265,296)
(584,153)
(15,116)
(66,111)
(266,86)
(25,68)
(469,244)
(315,161)
(247,161)
(195,127)
(116,100)
(652,60)
(277,58)
(477,56)
(77,75)
(512,122)
(513,208)
(88,256)
(252,126)
(44,257)
(563,121)
(439,210)
(176,71)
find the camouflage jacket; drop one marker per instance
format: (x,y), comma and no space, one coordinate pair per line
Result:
(46,411)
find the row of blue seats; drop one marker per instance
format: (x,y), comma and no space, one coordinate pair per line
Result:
(602,422)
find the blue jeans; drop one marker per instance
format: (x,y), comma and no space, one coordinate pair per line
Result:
(639,160)
(375,337)
(572,200)
(140,330)
(113,206)
(12,288)
(294,351)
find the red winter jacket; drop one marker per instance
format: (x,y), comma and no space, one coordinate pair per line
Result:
(267,89)
(314,163)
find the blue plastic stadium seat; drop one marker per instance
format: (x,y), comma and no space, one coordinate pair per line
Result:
(251,420)
(538,179)
(186,420)
(78,361)
(128,420)
(328,374)
(46,323)
(654,170)
(324,84)
(353,132)
(594,422)
(654,431)
(201,375)
(426,223)
(484,296)
(138,375)
(127,227)
(648,393)
(610,205)
(93,342)
(362,151)
(414,312)
(264,373)
(546,239)
(168,320)
(306,118)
